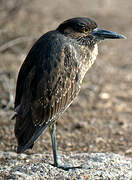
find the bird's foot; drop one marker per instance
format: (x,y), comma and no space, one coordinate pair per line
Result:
(66,168)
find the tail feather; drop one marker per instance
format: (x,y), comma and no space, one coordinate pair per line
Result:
(26,132)
(30,143)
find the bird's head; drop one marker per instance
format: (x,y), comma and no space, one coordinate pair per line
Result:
(86,31)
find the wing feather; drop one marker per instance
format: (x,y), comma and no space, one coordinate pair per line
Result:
(46,86)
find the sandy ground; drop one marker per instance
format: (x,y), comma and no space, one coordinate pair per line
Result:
(100,119)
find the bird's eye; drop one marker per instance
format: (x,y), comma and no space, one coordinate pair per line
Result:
(85,30)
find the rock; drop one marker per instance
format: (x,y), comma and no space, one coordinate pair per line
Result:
(99,166)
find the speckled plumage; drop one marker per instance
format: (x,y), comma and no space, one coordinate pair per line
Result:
(51,77)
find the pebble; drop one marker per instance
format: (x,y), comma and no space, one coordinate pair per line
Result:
(102,166)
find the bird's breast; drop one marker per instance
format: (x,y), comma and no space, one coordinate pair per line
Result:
(87,59)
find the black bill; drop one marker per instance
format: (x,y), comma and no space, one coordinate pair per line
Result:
(104,34)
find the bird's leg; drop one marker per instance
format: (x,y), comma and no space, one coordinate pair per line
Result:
(52,129)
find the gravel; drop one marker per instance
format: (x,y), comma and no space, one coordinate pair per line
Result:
(100,166)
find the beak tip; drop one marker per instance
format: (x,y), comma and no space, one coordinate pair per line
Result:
(120,36)
(123,37)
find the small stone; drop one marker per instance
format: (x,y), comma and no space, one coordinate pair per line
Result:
(93,166)
(104,95)
(128,151)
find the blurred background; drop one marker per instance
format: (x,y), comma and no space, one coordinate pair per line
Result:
(100,119)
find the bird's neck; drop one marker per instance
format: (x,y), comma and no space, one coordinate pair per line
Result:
(94,53)
(87,60)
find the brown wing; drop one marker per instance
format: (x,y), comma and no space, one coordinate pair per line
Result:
(48,88)
(56,90)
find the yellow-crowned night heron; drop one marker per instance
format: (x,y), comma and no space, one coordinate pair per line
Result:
(51,77)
